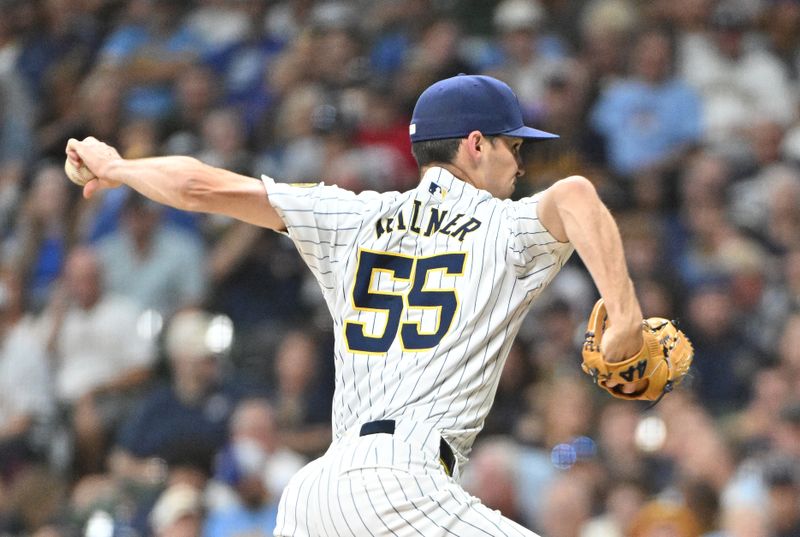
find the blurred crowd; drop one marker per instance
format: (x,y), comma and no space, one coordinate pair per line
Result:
(164,373)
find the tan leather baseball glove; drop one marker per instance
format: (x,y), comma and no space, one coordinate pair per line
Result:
(662,362)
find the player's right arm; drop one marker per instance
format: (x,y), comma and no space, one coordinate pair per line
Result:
(178,181)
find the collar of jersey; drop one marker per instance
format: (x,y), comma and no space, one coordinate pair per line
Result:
(449,182)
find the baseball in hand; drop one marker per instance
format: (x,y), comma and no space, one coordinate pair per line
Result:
(79,176)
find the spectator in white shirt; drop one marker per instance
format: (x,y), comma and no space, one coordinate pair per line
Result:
(101,359)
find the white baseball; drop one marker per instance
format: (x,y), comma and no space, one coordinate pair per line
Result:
(79,176)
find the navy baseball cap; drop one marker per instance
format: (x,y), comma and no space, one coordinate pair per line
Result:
(454,107)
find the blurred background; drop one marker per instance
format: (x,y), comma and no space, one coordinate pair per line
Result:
(165,373)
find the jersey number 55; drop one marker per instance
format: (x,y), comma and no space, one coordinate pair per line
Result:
(417,295)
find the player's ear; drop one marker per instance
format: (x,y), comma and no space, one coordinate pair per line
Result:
(475,143)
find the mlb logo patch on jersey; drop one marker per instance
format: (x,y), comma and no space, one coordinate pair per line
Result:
(434,188)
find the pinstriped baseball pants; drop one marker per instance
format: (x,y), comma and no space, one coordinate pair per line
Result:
(385,485)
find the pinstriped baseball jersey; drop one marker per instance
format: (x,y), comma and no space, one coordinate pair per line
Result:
(427,289)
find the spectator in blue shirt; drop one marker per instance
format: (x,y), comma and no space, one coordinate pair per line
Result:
(650,118)
(184,423)
(149,51)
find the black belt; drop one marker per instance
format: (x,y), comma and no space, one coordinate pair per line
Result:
(446,457)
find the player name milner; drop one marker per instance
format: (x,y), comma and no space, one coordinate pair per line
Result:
(426,223)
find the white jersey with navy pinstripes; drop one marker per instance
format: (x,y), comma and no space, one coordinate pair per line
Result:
(427,289)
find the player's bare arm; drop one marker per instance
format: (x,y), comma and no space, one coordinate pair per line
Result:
(572,211)
(178,181)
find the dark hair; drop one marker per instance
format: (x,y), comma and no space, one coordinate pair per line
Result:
(431,151)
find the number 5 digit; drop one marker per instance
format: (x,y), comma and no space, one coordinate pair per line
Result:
(444,301)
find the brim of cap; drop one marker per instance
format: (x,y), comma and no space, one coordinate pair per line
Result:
(530,134)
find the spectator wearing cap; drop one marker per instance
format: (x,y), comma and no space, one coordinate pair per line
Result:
(178,512)
(739,80)
(650,118)
(185,422)
(523,66)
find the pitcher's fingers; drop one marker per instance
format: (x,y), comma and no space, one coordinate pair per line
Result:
(72,153)
(90,188)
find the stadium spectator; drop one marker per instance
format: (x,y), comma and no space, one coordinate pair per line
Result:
(649,119)
(566,507)
(80,107)
(167,261)
(178,512)
(254,448)
(100,360)
(622,503)
(522,66)
(16,140)
(197,92)
(301,397)
(223,141)
(186,421)
(147,52)
(740,81)
(47,227)
(783,493)
(492,475)
(23,362)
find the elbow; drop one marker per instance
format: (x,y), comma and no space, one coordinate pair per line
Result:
(189,194)
(193,189)
(575,186)
(574,190)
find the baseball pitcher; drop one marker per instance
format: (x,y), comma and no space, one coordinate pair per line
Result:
(427,289)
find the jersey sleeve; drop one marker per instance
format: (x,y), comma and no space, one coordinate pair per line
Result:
(321,220)
(534,253)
